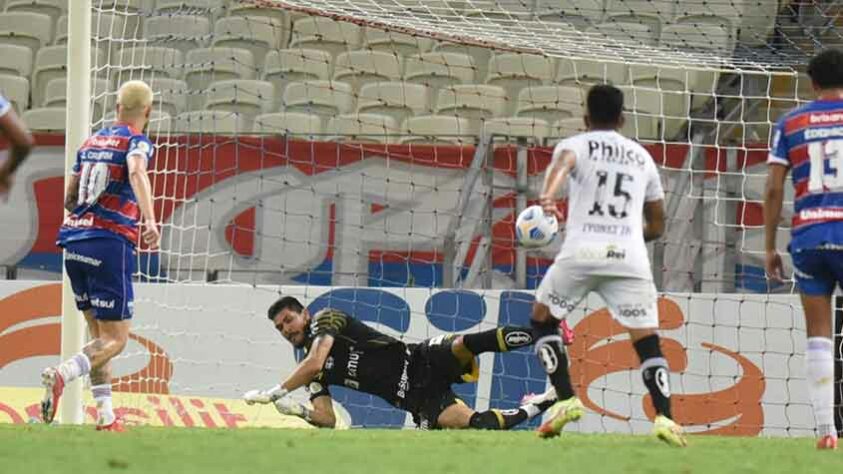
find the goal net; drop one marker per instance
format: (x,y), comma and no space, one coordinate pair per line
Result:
(372,155)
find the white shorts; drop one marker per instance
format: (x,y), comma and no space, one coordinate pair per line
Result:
(631,301)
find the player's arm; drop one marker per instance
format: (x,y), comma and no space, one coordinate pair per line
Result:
(561,165)
(20,144)
(71,195)
(310,367)
(653,220)
(773,198)
(322,414)
(139,180)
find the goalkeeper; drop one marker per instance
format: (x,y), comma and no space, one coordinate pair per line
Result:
(341,350)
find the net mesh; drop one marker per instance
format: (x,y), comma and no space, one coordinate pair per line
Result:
(385,147)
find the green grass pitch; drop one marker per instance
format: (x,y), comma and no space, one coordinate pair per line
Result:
(81,450)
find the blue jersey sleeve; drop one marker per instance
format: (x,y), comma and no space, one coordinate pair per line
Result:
(779,149)
(5,106)
(140,145)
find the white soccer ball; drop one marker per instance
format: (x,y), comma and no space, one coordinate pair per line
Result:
(534,228)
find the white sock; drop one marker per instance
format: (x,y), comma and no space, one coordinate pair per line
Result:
(75,367)
(819,371)
(531,410)
(102,395)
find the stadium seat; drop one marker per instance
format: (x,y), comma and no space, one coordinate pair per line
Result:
(476,102)
(17,60)
(298,125)
(437,70)
(207,65)
(32,30)
(151,61)
(333,37)
(701,83)
(291,65)
(514,72)
(550,103)
(623,32)
(438,130)
(518,127)
(399,100)
(393,42)
(170,95)
(708,38)
(567,127)
(374,128)
(104,26)
(644,111)
(480,55)
(653,13)
(361,67)
(728,14)
(52,8)
(584,72)
(580,13)
(248,98)
(16,90)
(182,32)
(55,95)
(257,34)
(674,106)
(324,98)
(207,8)
(51,63)
(758,21)
(208,122)
(46,119)
(278,15)
(134,11)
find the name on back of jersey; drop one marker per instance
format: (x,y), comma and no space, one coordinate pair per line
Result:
(615,153)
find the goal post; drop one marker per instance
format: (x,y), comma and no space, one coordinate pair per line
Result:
(73,332)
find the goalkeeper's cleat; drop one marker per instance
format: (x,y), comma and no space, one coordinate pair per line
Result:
(827,442)
(562,413)
(53,384)
(669,431)
(116,426)
(567,332)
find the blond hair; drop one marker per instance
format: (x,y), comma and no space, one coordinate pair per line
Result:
(134,97)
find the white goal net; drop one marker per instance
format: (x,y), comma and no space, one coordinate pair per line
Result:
(371,155)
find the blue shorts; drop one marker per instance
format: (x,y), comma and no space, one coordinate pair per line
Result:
(100,272)
(818,271)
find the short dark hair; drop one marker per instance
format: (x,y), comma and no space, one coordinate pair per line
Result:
(287,302)
(605,105)
(826,69)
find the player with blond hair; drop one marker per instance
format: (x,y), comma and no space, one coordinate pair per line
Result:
(109,198)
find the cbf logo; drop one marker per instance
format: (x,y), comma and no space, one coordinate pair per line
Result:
(561,302)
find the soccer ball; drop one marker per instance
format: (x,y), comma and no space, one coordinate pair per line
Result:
(535,229)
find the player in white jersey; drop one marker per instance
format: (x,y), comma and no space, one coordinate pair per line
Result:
(615,205)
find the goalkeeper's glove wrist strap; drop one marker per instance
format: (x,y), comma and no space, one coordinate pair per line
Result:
(276,393)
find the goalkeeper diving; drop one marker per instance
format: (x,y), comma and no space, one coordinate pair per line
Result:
(342,351)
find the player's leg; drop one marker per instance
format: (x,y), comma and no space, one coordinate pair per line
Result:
(454,414)
(558,294)
(502,339)
(633,303)
(816,283)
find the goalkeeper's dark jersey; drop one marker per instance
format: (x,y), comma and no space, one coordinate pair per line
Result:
(361,358)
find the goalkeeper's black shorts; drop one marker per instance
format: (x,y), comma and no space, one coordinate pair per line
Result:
(434,368)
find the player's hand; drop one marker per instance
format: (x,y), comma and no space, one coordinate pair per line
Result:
(548,204)
(151,236)
(774,266)
(257,396)
(290,407)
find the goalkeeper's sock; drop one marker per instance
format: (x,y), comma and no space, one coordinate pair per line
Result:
(502,339)
(551,354)
(102,397)
(654,372)
(819,365)
(75,367)
(498,419)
